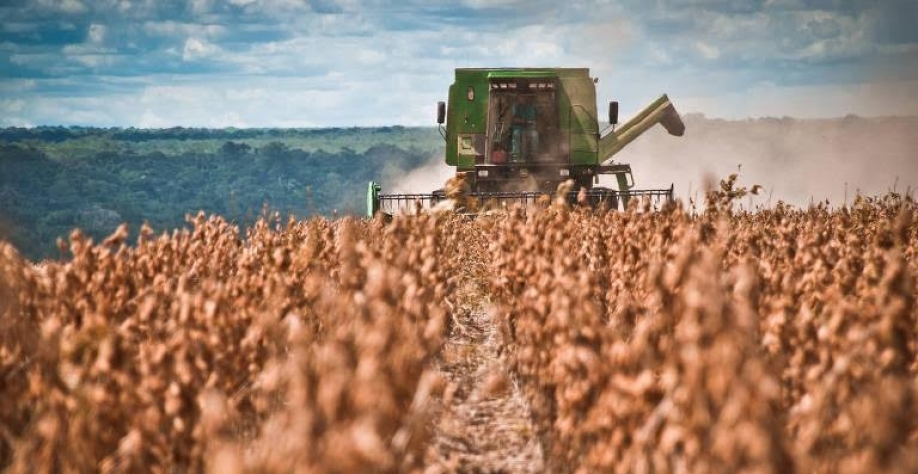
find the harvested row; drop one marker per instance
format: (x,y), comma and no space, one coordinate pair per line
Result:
(777,341)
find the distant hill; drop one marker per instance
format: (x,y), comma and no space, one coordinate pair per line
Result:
(54,179)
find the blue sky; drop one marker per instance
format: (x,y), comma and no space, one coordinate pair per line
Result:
(253,63)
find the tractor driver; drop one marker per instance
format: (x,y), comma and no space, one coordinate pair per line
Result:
(524,137)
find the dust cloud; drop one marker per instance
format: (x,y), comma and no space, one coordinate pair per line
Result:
(797,161)
(424,179)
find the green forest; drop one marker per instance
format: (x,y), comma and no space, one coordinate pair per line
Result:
(55,179)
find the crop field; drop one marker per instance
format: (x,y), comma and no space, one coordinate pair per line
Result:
(559,339)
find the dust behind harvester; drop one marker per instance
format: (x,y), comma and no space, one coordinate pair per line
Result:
(515,135)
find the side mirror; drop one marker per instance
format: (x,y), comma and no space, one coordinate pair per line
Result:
(613,112)
(441,112)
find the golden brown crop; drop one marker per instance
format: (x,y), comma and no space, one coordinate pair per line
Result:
(777,341)
(781,340)
(299,345)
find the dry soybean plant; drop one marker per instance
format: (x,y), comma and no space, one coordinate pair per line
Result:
(779,340)
(776,341)
(296,346)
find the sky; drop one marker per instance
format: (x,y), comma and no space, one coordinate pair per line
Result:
(318,63)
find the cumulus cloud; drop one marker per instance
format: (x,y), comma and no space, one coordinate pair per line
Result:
(767,99)
(380,62)
(170,28)
(196,48)
(63,6)
(96,33)
(201,6)
(707,51)
(12,106)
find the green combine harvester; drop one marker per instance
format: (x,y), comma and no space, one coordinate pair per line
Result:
(515,135)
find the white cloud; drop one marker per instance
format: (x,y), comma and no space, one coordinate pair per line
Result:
(174,28)
(96,33)
(196,48)
(707,51)
(91,54)
(32,59)
(532,44)
(335,99)
(495,3)
(898,48)
(599,37)
(12,105)
(295,62)
(17,86)
(96,60)
(15,122)
(84,48)
(248,94)
(764,35)
(809,101)
(783,4)
(370,57)
(150,120)
(272,8)
(71,6)
(659,55)
(201,6)
(346,99)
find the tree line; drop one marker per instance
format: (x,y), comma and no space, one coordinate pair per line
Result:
(44,194)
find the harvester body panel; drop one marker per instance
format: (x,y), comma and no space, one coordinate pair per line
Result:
(485,105)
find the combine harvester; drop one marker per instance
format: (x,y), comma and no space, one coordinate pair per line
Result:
(515,135)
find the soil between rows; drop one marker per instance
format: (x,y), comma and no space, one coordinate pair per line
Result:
(483,423)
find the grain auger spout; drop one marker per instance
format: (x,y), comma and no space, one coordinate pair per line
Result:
(660,111)
(514,135)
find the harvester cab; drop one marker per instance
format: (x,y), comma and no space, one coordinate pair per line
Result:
(515,135)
